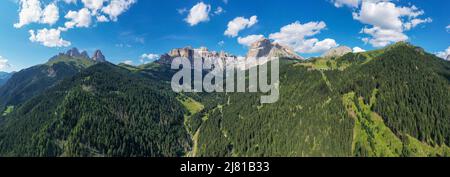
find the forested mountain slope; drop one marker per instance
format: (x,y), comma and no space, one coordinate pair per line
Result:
(103,111)
(33,81)
(389,102)
(4,76)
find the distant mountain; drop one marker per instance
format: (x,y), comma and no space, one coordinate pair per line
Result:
(337,52)
(33,81)
(265,48)
(262,49)
(191,53)
(4,76)
(98,56)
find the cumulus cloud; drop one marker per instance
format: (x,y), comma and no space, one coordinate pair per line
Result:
(448,28)
(358,50)
(4,64)
(389,27)
(82,18)
(102,18)
(444,54)
(249,40)
(93,5)
(117,7)
(50,15)
(31,12)
(145,58)
(415,22)
(383,37)
(238,24)
(48,37)
(295,36)
(349,3)
(198,13)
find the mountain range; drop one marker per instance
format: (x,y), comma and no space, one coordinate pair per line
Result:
(391,102)
(4,76)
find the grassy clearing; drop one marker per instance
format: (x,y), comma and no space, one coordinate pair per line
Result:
(8,110)
(372,138)
(193,108)
(191,105)
(324,64)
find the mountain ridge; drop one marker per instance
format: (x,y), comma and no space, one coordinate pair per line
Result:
(383,103)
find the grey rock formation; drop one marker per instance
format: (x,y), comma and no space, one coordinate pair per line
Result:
(84,54)
(265,48)
(98,56)
(191,54)
(73,53)
(337,52)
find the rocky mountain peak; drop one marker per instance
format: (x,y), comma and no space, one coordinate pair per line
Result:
(337,52)
(186,52)
(98,56)
(266,48)
(73,52)
(84,54)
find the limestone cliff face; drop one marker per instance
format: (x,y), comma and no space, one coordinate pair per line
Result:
(98,56)
(191,54)
(265,48)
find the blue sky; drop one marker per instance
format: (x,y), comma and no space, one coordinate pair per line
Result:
(140,27)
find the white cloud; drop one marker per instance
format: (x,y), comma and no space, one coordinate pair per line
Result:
(221,43)
(93,5)
(199,13)
(149,57)
(238,24)
(383,37)
(448,28)
(391,25)
(182,11)
(219,10)
(70,1)
(102,18)
(4,64)
(81,18)
(48,38)
(294,35)
(444,54)
(415,22)
(358,50)
(320,46)
(117,7)
(50,15)
(249,40)
(349,3)
(32,12)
